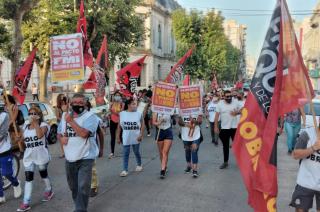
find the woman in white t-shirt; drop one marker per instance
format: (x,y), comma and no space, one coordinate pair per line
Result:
(36,155)
(131,123)
(191,136)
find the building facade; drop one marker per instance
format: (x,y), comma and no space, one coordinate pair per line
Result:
(159,44)
(236,33)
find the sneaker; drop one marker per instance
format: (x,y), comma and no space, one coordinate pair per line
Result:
(139,169)
(187,170)
(111,156)
(47,196)
(2,200)
(149,134)
(215,143)
(289,152)
(24,207)
(195,174)
(123,174)
(162,174)
(93,192)
(17,192)
(224,165)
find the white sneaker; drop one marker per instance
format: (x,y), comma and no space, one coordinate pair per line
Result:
(123,174)
(17,192)
(139,169)
(111,156)
(2,200)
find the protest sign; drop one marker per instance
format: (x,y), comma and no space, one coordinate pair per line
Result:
(164,98)
(67,58)
(190,100)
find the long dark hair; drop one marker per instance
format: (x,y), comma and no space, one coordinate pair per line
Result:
(128,102)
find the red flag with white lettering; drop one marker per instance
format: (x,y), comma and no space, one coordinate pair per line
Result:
(22,77)
(272,95)
(82,28)
(129,75)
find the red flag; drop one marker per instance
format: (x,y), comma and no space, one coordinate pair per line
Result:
(82,28)
(103,57)
(186,80)
(176,72)
(22,78)
(129,75)
(272,94)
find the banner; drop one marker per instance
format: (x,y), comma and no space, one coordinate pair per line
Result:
(82,28)
(164,98)
(190,101)
(66,58)
(22,78)
(272,95)
(175,74)
(129,75)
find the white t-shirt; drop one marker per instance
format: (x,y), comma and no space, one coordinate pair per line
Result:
(237,120)
(224,109)
(34,90)
(309,171)
(130,123)
(211,108)
(36,149)
(5,144)
(166,123)
(185,130)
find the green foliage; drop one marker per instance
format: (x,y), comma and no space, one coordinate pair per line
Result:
(213,53)
(5,40)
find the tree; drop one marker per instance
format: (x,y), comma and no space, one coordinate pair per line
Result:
(110,17)
(15,11)
(214,53)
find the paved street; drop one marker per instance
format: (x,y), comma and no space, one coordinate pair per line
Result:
(214,191)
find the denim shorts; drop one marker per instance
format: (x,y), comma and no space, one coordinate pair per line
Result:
(164,134)
(189,143)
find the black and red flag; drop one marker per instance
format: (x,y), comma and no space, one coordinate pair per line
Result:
(82,28)
(175,74)
(129,75)
(22,77)
(98,78)
(280,82)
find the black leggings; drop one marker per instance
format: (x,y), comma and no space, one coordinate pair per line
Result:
(146,123)
(225,135)
(113,130)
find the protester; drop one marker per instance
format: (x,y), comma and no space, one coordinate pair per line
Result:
(307,151)
(76,132)
(61,107)
(34,91)
(105,120)
(131,123)
(227,111)
(149,92)
(115,108)
(292,126)
(36,155)
(6,158)
(164,137)
(210,113)
(147,117)
(191,134)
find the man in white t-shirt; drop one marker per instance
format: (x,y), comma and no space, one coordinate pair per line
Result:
(211,113)
(227,111)
(307,150)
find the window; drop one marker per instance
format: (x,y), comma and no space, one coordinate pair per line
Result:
(159,72)
(159,37)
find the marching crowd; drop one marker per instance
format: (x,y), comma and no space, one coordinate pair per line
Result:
(82,133)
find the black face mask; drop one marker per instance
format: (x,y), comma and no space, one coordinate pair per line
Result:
(228,100)
(78,109)
(239,98)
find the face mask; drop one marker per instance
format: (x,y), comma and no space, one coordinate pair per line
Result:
(77,109)
(215,99)
(117,98)
(134,109)
(239,98)
(229,100)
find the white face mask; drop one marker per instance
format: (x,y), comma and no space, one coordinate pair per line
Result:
(215,99)
(117,98)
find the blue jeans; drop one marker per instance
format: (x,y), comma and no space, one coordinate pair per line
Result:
(6,169)
(126,154)
(191,154)
(79,179)
(292,131)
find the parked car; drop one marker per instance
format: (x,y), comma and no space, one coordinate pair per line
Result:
(48,115)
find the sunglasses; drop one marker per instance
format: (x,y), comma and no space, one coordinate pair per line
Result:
(32,114)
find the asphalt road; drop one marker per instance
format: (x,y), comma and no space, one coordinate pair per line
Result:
(214,191)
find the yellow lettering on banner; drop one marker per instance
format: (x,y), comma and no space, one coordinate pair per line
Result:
(185,95)
(244,115)
(254,146)
(165,93)
(254,162)
(248,130)
(160,91)
(271,205)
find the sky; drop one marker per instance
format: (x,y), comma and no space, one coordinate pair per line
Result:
(257,24)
